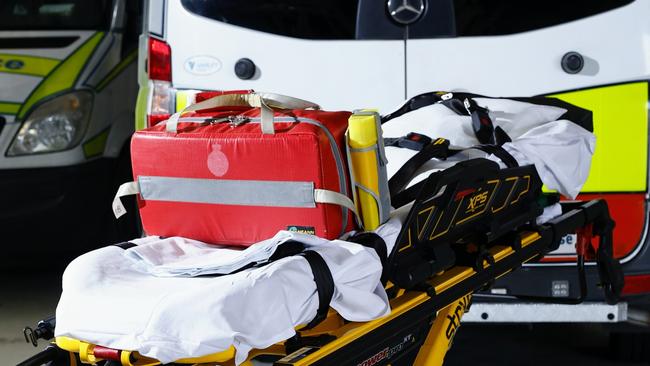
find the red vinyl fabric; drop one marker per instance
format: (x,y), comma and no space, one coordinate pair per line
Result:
(298,151)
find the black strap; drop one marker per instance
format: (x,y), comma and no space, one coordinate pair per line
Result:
(414,103)
(481,122)
(125,245)
(324,285)
(374,241)
(575,114)
(283,250)
(438,149)
(400,196)
(286,249)
(413,140)
(407,195)
(500,153)
(484,129)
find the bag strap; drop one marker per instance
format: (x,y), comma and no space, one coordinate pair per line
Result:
(324,285)
(265,101)
(125,189)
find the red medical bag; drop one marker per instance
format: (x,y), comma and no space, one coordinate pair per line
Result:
(212,173)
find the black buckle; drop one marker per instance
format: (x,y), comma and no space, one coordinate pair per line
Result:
(413,141)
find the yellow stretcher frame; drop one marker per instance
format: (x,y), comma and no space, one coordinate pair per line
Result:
(448,296)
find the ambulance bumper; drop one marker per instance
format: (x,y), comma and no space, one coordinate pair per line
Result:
(70,202)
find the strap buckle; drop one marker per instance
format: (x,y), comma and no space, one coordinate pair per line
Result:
(413,141)
(236,121)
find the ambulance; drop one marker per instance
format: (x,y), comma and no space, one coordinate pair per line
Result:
(346,54)
(67,96)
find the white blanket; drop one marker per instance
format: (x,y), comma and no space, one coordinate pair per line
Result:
(182,257)
(560,150)
(109,300)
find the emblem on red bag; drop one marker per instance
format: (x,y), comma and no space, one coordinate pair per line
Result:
(217,161)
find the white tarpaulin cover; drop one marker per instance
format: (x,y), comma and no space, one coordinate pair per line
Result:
(560,150)
(108,299)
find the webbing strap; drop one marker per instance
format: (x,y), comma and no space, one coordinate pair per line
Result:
(126,189)
(438,149)
(372,240)
(336,198)
(324,285)
(265,101)
(125,245)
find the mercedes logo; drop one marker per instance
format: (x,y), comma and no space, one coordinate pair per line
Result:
(405,11)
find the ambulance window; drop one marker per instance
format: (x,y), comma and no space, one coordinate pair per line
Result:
(54,14)
(499,17)
(311,19)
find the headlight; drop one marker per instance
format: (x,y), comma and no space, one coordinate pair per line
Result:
(55,125)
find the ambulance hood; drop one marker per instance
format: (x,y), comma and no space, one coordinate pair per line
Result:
(37,64)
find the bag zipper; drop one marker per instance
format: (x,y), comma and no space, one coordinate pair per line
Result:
(234,120)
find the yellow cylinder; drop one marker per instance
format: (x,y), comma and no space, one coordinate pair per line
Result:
(368,169)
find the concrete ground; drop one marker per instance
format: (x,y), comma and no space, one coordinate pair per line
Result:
(539,344)
(25,298)
(28,297)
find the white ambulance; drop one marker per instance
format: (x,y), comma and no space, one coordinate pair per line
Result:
(67,97)
(347,54)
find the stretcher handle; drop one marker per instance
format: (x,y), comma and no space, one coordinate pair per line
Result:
(265,101)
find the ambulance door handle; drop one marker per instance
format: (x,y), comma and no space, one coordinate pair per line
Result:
(245,68)
(572,62)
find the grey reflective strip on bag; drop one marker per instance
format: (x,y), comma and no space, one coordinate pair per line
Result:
(228,192)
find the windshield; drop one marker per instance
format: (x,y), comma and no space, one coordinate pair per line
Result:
(55,14)
(329,19)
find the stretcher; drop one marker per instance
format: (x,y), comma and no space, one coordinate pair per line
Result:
(468,225)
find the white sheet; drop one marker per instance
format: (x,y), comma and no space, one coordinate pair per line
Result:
(181,257)
(560,150)
(108,300)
